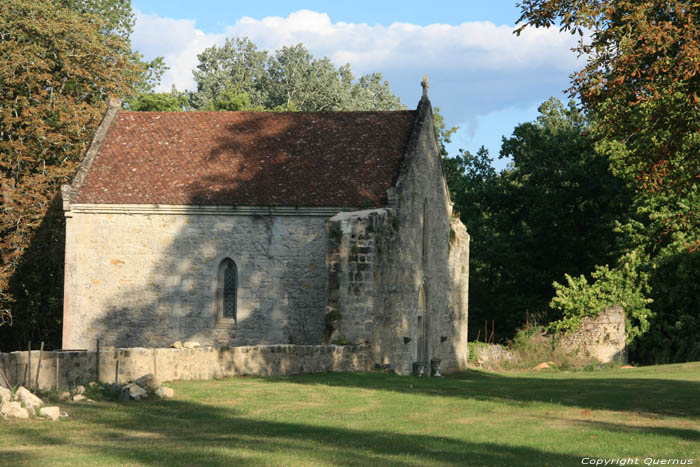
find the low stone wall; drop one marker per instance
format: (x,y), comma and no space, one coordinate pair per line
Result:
(491,355)
(62,369)
(601,337)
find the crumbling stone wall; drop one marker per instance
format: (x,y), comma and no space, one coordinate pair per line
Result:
(601,337)
(351,263)
(132,279)
(457,300)
(62,369)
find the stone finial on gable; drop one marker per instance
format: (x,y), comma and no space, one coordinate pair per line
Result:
(114,102)
(425,85)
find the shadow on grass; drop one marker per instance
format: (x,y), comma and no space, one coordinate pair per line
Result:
(679,433)
(186,433)
(641,395)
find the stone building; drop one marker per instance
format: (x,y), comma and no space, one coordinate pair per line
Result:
(245,228)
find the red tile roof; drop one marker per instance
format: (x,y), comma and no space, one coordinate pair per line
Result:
(343,159)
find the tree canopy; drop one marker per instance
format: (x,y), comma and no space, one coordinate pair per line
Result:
(58,63)
(239,76)
(551,212)
(640,85)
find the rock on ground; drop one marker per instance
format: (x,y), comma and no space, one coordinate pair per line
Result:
(28,399)
(165,393)
(5,394)
(147,381)
(14,410)
(52,413)
(133,391)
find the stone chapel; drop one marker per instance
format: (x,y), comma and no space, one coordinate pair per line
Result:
(246,228)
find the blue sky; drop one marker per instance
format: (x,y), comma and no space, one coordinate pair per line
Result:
(484,79)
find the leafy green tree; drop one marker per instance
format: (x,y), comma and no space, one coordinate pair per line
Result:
(551,212)
(238,62)
(291,79)
(172,101)
(641,83)
(57,68)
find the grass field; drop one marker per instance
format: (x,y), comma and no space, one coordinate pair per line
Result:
(474,418)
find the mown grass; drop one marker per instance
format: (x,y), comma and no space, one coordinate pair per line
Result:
(475,418)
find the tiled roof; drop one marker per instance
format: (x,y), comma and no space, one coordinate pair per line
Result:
(343,159)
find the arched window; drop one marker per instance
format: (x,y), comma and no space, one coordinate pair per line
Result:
(227,290)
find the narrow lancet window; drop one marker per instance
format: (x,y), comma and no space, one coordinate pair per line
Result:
(228,286)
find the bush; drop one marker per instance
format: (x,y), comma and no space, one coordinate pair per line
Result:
(625,286)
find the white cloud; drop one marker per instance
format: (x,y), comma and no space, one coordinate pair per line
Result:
(475,68)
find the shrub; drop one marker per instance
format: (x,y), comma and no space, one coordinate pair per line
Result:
(623,285)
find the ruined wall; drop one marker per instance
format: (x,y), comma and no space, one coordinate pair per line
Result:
(399,275)
(63,369)
(140,279)
(351,263)
(601,337)
(457,354)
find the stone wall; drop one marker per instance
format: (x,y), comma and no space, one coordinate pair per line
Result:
(399,275)
(601,337)
(123,365)
(457,300)
(132,279)
(351,262)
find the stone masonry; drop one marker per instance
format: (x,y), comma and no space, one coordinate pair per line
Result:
(63,369)
(335,214)
(136,279)
(601,337)
(398,276)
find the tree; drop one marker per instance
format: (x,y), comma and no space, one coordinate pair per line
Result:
(551,212)
(57,69)
(238,62)
(172,101)
(641,83)
(291,79)
(117,19)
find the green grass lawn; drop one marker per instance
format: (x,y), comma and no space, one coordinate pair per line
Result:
(474,418)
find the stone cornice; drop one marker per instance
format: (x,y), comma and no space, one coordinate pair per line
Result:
(177,209)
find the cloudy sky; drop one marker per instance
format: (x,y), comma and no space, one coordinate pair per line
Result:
(484,78)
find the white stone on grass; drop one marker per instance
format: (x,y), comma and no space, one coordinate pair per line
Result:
(28,399)
(14,410)
(52,413)
(5,394)
(165,392)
